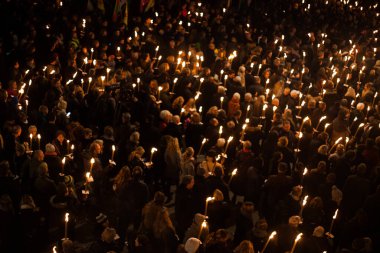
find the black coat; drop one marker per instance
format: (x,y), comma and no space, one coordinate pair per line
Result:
(184,208)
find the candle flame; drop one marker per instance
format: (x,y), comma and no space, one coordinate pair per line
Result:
(153,150)
(305,171)
(220,129)
(204,224)
(39,136)
(336,214)
(67,217)
(92,161)
(64,160)
(305,200)
(204,140)
(209,199)
(113,148)
(230,139)
(234,172)
(273,234)
(298,237)
(338,140)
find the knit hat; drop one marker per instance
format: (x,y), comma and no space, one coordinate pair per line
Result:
(101,218)
(192,245)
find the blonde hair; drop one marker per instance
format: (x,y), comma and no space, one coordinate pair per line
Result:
(178,101)
(123,176)
(218,195)
(138,152)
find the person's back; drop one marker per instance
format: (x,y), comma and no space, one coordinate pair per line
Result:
(355,191)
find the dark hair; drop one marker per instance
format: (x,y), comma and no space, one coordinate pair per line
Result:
(137,172)
(187,180)
(282,167)
(159,198)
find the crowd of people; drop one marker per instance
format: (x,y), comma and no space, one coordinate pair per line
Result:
(188,126)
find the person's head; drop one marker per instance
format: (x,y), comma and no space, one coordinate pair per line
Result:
(108,131)
(17,130)
(95,149)
(5,170)
(195,118)
(134,137)
(296,191)
(192,245)
(62,190)
(221,235)
(282,168)
(68,246)
(38,155)
(321,167)
(108,235)
(319,232)
(323,150)
(275,102)
(282,142)
(188,154)
(201,171)
(220,142)
(218,171)
(49,148)
(286,125)
(248,97)
(211,156)
(218,195)
(247,145)
(43,169)
(316,202)
(361,169)
(32,130)
(245,246)
(102,220)
(294,221)
(60,136)
(141,240)
(137,173)
(159,198)
(188,182)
